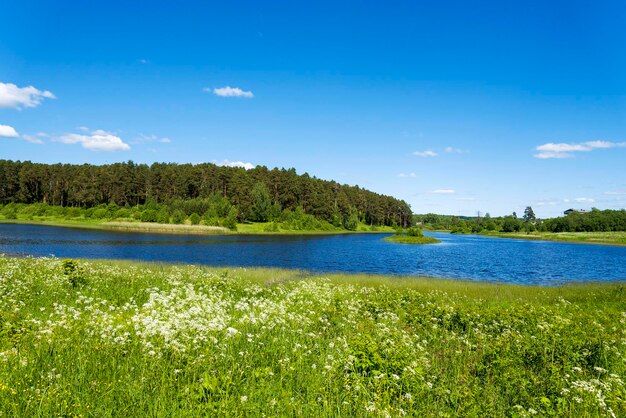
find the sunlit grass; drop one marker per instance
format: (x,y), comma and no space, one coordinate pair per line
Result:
(407,239)
(612,238)
(262,228)
(109,338)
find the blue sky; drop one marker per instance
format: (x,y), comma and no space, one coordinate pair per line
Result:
(454,107)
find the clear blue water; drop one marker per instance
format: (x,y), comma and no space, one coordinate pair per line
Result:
(458,256)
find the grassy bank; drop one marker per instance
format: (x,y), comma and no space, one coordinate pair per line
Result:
(606,238)
(128,339)
(408,239)
(257,228)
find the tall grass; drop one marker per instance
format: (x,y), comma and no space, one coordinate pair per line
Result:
(106,339)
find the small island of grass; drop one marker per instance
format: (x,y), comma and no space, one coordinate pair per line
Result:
(412,236)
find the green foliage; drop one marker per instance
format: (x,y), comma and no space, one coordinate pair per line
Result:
(298,220)
(194,219)
(594,221)
(163,216)
(99,214)
(414,232)
(149,215)
(74,273)
(122,213)
(158,340)
(9,211)
(275,212)
(352,221)
(260,193)
(529,215)
(178,217)
(261,202)
(412,239)
(511,224)
(231,220)
(271,227)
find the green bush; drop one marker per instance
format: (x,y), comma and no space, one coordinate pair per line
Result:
(99,214)
(194,218)
(74,273)
(414,232)
(122,213)
(178,217)
(163,216)
(149,215)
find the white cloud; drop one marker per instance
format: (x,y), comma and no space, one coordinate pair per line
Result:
(584,200)
(407,175)
(21,97)
(425,153)
(8,131)
(230,92)
(151,138)
(452,150)
(32,139)
(444,191)
(564,150)
(97,140)
(616,192)
(226,163)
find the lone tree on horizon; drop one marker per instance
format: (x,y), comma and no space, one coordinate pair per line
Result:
(529,214)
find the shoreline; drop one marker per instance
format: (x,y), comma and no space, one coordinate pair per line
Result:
(175,229)
(618,240)
(554,237)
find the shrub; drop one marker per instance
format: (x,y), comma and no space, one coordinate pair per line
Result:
(149,215)
(194,218)
(414,232)
(178,217)
(99,214)
(74,273)
(163,216)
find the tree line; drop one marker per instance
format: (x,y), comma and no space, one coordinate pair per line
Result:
(258,194)
(594,221)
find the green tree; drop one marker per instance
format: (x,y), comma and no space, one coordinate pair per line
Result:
(529,215)
(231,220)
(261,202)
(352,221)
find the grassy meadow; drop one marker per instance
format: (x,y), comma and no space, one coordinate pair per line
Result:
(131,225)
(106,338)
(607,238)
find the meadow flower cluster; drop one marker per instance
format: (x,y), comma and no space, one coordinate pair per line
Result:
(154,340)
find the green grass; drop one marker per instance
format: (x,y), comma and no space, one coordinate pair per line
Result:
(607,238)
(270,228)
(407,239)
(256,228)
(109,338)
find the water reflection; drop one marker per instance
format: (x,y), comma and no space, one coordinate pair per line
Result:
(458,256)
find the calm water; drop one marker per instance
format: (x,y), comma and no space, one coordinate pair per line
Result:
(458,256)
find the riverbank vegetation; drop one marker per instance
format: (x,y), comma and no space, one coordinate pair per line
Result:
(90,338)
(140,219)
(412,235)
(595,226)
(609,238)
(194,193)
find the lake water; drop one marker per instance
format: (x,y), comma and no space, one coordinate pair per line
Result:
(458,256)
